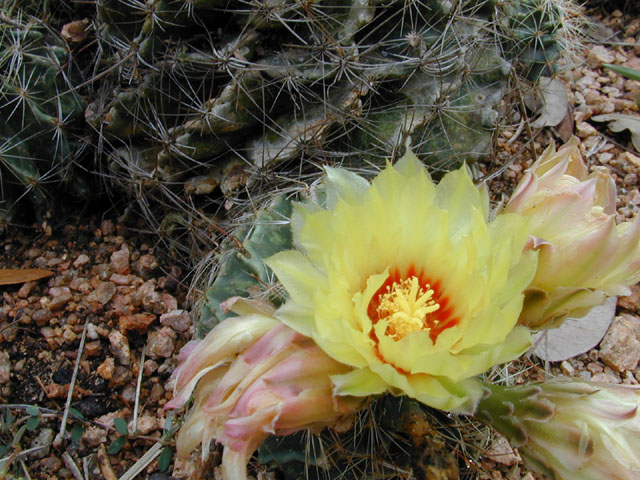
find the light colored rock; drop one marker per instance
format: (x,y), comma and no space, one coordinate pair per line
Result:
(620,349)
(120,279)
(106,368)
(179,320)
(103,293)
(605,377)
(567,368)
(119,261)
(150,366)
(68,335)
(5,367)
(25,289)
(161,343)
(128,394)
(121,376)
(157,392)
(584,130)
(634,322)
(120,347)
(92,332)
(148,424)
(594,367)
(41,317)
(80,284)
(60,296)
(93,349)
(184,468)
(169,302)
(146,265)
(631,158)
(82,259)
(94,436)
(44,439)
(598,55)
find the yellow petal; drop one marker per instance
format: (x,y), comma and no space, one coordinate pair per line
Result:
(360,382)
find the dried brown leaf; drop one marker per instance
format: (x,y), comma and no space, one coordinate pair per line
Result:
(12,276)
(619,122)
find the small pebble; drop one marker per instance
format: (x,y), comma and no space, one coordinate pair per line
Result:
(103,293)
(82,259)
(179,320)
(120,259)
(106,368)
(161,343)
(43,439)
(138,322)
(60,296)
(120,347)
(5,367)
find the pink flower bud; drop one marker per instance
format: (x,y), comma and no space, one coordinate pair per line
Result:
(584,257)
(252,376)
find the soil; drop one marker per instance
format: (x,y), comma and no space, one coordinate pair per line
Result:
(128,300)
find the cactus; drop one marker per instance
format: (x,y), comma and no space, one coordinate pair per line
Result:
(40,111)
(393,438)
(239,269)
(208,96)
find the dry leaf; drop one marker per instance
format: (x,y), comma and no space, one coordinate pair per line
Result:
(576,335)
(11,276)
(619,122)
(75,31)
(550,101)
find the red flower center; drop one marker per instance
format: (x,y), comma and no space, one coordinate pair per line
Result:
(408,303)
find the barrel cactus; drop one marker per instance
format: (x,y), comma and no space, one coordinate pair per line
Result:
(210,103)
(41,112)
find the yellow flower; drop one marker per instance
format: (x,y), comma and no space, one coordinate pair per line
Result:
(407,282)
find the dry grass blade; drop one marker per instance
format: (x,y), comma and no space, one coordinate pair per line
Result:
(145,460)
(105,464)
(63,424)
(71,465)
(138,385)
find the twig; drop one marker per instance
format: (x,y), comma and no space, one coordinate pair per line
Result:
(25,470)
(63,426)
(142,463)
(71,465)
(138,386)
(105,464)
(517,133)
(85,467)
(22,453)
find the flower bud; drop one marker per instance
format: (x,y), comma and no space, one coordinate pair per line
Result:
(253,376)
(584,257)
(569,429)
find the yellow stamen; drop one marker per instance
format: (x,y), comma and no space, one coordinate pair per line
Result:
(405,307)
